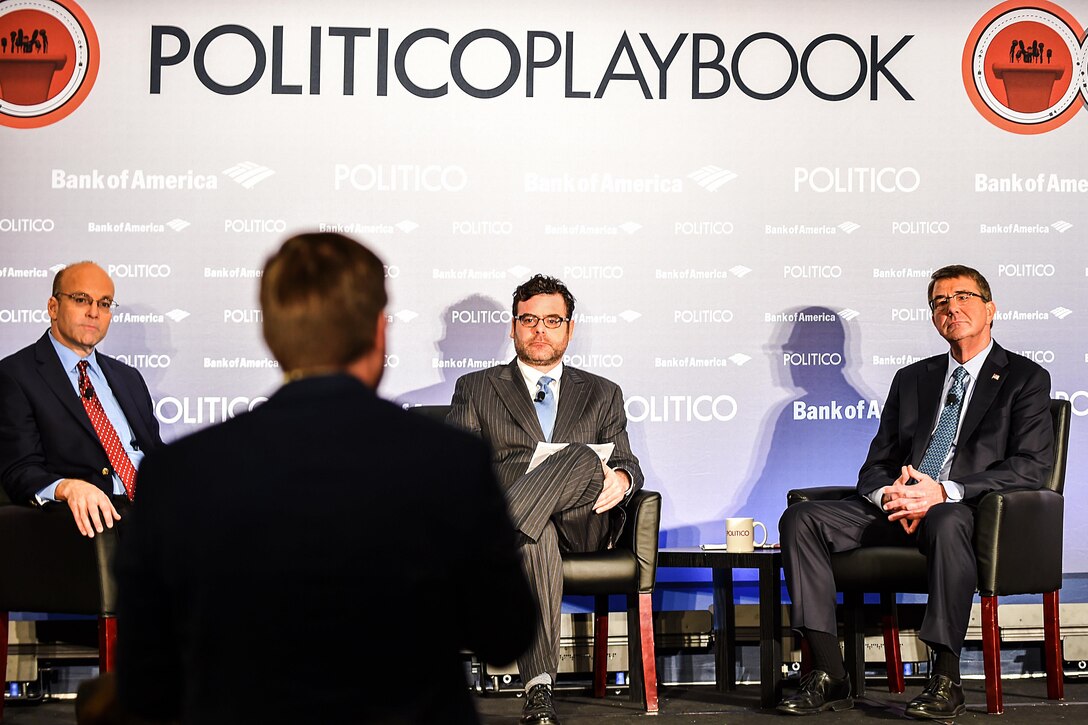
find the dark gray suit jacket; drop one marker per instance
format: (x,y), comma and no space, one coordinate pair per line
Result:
(495,404)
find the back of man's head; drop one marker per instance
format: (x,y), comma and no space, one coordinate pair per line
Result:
(321,297)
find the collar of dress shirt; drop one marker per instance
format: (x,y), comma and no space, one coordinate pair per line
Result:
(531,376)
(69,358)
(972,366)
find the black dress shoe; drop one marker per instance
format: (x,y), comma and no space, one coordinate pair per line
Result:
(538,708)
(819,691)
(941,699)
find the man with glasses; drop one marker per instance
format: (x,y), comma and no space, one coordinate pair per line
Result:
(955,427)
(572,502)
(74,424)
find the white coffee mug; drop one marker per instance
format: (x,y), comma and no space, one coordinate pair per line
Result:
(740,535)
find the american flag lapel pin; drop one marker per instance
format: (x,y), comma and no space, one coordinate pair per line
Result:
(996,376)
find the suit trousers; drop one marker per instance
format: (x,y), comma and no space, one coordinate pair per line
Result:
(552,507)
(812,531)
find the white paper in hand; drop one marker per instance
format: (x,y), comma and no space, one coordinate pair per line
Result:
(544,449)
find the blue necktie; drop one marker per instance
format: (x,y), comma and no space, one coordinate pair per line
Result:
(545,407)
(933,460)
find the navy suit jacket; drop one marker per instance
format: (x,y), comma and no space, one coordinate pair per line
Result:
(1006,437)
(323,530)
(45,433)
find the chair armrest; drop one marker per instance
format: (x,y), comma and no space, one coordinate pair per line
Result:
(641,533)
(1018,541)
(820,493)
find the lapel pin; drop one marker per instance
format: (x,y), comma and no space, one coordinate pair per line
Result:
(997,376)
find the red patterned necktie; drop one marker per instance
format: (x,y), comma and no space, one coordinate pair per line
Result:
(115,451)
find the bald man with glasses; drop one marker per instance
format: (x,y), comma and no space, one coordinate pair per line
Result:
(572,502)
(74,424)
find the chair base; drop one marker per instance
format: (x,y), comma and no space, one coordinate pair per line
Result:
(107,649)
(640,649)
(991,650)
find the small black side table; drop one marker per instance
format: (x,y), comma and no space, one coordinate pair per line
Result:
(768,562)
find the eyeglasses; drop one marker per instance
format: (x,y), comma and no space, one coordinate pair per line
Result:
(550,321)
(81,299)
(940,304)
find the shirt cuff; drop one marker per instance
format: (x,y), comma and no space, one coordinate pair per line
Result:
(47,494)
(953,490)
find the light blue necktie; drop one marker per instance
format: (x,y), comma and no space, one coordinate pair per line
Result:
(545,408)
(933,460)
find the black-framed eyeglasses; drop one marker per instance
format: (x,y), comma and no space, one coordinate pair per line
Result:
(81,299)
(550,321)
(940,304)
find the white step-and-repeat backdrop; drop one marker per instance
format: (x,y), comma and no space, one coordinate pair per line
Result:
(746,199)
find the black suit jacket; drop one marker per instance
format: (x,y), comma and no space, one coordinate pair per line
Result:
(45,433)
(1005,439)
(275,560)
(495,404)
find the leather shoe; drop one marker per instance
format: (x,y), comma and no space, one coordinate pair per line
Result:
(941,699)
(538,708)
(819,691)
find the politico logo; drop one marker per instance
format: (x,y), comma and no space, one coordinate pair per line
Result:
(48,61)
(681,408)
(202,410)
(26,225)
(1023,66)
(139,271)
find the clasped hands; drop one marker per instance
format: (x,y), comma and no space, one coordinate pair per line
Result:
(907,502)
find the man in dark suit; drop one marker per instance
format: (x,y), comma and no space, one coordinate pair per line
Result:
(954,427)
(572,502)
(275,560)
(74,424)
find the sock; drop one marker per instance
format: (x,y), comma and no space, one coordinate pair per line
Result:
(542,679)
(946,663)
(826,654)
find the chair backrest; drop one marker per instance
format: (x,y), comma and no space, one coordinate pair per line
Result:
(434,412)
(1060,412)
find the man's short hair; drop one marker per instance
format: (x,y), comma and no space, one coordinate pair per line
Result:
(321,295)
(542,284)
(959,270)
(58,278)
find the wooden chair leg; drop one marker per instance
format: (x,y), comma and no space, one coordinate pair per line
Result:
(1053,645)
(3,658)
(600,644)
(640,651)
(107,643)
(893,656)
(854,639)
(991,656)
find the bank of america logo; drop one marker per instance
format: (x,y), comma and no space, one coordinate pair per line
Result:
(177,315)
(1061,312)
(406,315)
(849,227)
(712,178)
(57,267)
(177,224)
(739,359)
(630,227)
(407,226)
(739,271)
(248,174)
(519,272)
(848,314)
(1062,226)
(630,315)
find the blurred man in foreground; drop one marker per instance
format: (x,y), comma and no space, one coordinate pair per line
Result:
(281,558)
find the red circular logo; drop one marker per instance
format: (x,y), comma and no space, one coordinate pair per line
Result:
(48,61)
(1024,66)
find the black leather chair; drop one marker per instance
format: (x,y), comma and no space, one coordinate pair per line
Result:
(1018,547)
(630,569)
(48,566)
